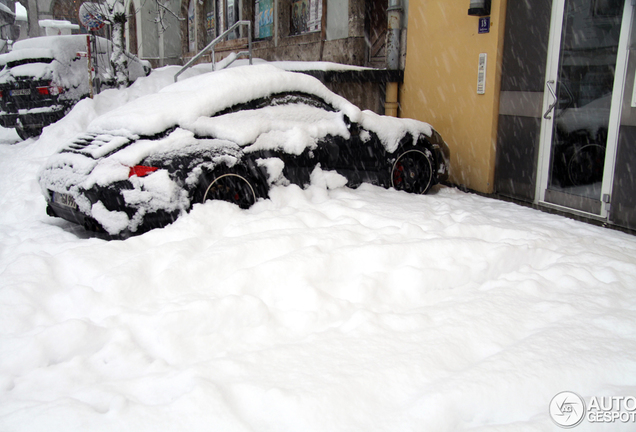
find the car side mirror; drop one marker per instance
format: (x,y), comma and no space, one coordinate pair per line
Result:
(354,128)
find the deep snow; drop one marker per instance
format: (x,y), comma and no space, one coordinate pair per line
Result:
(325,309)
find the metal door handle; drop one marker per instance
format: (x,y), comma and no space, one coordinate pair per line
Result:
(551,107)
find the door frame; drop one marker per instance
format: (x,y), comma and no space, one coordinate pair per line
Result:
(545,143)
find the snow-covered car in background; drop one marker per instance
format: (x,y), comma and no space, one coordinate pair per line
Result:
(42,78)
(230,135)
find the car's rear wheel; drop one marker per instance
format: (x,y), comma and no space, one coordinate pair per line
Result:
(413,171)
(26,133)
(586,165)
(234,187)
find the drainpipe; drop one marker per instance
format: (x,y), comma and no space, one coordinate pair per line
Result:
(394,14)
(391,100)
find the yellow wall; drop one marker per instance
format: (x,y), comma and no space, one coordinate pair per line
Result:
(440,83)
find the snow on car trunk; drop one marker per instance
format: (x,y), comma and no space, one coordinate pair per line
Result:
(317,310)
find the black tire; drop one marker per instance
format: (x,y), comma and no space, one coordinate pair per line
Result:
(26,133)
(412,171)
(587,164)
(233,186)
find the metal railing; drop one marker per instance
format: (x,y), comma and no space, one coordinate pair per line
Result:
(212,44)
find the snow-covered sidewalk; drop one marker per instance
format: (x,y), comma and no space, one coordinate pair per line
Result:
(315,310)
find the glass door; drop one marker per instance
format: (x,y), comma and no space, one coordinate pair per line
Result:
(584,82)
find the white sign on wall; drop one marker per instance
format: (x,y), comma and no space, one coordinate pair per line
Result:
(481,73)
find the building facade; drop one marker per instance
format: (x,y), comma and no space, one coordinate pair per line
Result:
(154,30)
(351,32)
(536,100)
(343,31)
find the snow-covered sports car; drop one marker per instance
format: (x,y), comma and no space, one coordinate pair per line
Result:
(230,135)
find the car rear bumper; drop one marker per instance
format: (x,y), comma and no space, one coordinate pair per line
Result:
(30,120)
(156,219)
(8,120)
(33,120)
(72,215)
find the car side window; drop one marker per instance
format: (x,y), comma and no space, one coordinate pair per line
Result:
(279,99)
(307,99)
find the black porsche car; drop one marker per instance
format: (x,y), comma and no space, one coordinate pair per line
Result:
(230,135)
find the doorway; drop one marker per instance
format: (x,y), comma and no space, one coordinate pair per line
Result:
(375,31)
(585,78)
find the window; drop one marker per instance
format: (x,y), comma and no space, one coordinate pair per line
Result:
(263,18)
(210,21)
(306,16)
(132,29)
(192,38)
(232,14)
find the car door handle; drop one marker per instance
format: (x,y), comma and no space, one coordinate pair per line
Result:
(551,107)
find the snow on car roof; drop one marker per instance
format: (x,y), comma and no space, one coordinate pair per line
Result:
(60,47)
(28,53)
(182,103)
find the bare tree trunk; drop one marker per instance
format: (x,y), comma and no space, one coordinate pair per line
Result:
(33,16)
(119,59)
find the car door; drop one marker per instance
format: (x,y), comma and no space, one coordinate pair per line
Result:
(361,158)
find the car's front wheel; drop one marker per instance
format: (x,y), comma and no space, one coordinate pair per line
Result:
(412,171)
(26,133)
(232,186)
(586,165)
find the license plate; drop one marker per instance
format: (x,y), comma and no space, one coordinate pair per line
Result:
(64,199)
(21,92)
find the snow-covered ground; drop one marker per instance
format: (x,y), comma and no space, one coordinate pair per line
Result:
(316,310)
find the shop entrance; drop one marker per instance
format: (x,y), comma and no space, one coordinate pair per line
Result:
(585,78)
